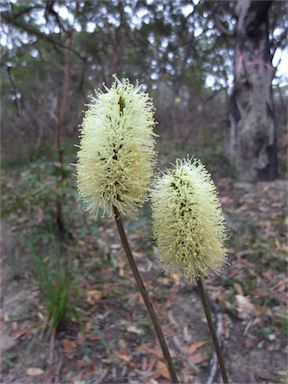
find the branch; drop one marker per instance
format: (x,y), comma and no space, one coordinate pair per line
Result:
(14,90)
(211,377)
(256,14)
(25,10)
(50,10)
(30,29)
(222,28)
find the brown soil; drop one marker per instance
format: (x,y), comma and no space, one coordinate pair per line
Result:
(107,344)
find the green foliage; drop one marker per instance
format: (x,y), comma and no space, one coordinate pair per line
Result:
(249,285)
(268,301)
(9,360)
(36,192)
(34,196)
(172,47)
(279,261)
(282,322)
(11,201)
(56,280)
(217,163)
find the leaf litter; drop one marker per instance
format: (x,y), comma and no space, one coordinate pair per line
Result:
(112,338)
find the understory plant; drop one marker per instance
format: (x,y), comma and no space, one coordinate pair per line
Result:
(189,229)
(56,280)
(114,168)
(56,284)
(115,165)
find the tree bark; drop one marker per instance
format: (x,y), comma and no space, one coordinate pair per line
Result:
(252,140)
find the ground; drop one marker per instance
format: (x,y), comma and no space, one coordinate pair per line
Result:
(108,336)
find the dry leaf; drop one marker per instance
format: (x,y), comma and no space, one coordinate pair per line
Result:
(135,296)
(144,364)
(194,347)
(34,371)
(248,344)
(133,329)
(225,324)
(161,370)
(88,326)
(238,288)
(22,332)
(198,358)
(69,347)
(281,247)
(280,286)
(127,359)
(108,287)
(151,351)
(138,254)
(268,274)
(123,357)
(84,373)
(244,308)
(168,331)
(186,334)
(176,278)
(93,337)
(93,295)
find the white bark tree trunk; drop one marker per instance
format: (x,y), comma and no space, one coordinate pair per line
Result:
(252,142)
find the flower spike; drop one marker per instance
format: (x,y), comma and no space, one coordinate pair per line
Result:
(188,221)
(116,155)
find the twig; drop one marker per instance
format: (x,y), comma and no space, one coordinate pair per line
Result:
(19,319)
(219,331)
(58,137)
(179,346)
(30,29)
(58,364)
(146,297)
(52,345)
(100,380)
(212,330)
(213,370)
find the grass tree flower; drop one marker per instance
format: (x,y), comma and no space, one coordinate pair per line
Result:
(115,164)
(116,155)
(188,221)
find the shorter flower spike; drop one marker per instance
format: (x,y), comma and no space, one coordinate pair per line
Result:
(116,155)
(188,221)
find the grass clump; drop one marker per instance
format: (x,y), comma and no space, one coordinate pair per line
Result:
(56,279)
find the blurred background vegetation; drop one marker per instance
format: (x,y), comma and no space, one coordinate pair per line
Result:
(55,53)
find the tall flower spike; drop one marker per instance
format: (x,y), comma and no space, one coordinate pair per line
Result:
(116,155)
(188,221)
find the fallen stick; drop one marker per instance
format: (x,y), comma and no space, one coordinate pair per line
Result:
(213,366)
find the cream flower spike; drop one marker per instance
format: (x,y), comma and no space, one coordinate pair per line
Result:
(187,220)
(116,155)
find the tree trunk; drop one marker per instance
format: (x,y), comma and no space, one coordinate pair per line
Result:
(252,142)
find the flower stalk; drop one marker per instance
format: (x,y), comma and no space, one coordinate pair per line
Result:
(189,229)
(145,296)
(205,305)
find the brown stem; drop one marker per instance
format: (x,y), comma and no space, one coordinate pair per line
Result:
(59,218)
(62,109)
(146,297)
(212,330)
(59,134)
